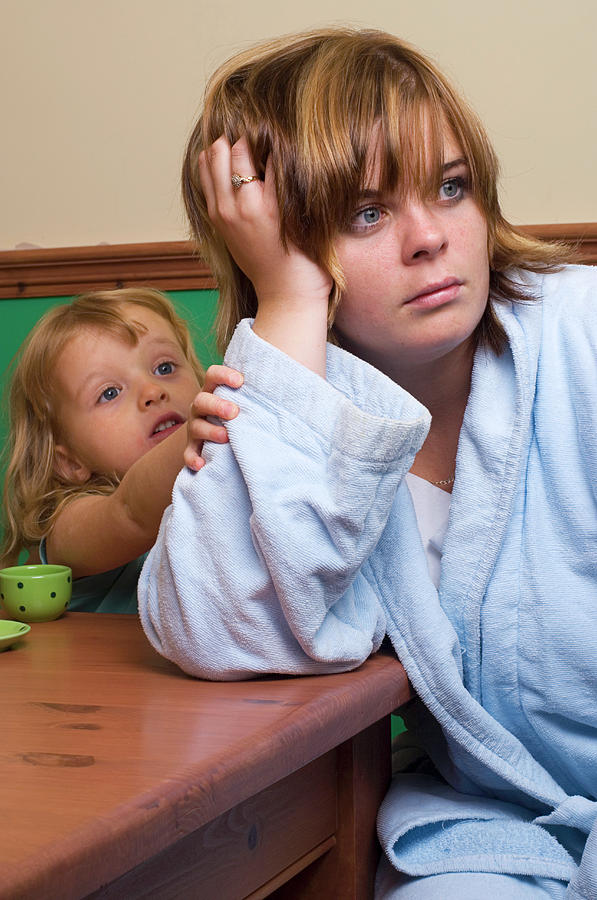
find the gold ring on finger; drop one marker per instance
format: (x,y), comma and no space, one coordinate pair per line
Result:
(238,180)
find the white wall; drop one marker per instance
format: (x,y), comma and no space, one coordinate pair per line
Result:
(98,98)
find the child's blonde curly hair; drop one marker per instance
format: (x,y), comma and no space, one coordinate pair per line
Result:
(34,491)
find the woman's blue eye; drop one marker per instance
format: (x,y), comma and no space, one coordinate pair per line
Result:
(110,393)
(165,368)
(452,189)
(366,217)
(371,215)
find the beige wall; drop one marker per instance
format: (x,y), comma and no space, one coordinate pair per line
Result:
(98,98)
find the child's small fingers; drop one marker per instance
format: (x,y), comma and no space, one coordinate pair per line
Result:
(208,404)
(220,435)
(192,460)
(200,430)
(217,374)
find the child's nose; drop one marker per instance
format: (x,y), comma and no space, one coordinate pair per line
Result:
(152,393)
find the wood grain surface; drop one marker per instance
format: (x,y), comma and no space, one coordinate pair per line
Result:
(110,755)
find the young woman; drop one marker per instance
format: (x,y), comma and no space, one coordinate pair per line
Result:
(428,473)
(98,397)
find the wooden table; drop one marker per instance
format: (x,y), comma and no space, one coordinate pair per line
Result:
(122,777)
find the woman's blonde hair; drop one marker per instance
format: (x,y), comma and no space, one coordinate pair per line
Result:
(311,103)
(34,492)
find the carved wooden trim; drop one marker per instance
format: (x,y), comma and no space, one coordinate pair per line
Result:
(168,265)
(582,235)
(62,271)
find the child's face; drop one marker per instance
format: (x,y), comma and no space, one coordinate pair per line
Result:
(116,401)
(417,273)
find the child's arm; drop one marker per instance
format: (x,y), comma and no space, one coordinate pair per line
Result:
(292,290)
(96,533)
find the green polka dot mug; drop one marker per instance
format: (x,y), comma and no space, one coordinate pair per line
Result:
(35,593)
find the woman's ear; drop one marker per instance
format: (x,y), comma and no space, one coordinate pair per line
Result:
(68,467)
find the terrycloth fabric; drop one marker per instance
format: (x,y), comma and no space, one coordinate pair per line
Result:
(392,885)
(296,548)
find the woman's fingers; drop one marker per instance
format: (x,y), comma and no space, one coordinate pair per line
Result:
(219,161)
(207,182)
(247,219)
(241,162)
(223,161)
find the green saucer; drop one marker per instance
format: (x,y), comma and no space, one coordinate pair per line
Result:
(11,632)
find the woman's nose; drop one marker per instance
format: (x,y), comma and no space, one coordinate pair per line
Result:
(424,234)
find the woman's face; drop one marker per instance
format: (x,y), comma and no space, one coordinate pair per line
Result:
(417,272)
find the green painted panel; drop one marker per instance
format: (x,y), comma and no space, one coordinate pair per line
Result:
(398,726)
(18,316)
(199,310)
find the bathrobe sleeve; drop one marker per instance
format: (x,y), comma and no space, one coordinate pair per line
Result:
(256,568)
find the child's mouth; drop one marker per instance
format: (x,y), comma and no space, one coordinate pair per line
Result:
(169,423)
(166,425)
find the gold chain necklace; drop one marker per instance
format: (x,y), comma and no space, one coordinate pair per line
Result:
(444,481)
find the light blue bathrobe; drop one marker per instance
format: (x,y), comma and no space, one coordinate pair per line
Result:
(296,549)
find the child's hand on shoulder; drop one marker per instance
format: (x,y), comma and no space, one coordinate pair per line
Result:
(207,404)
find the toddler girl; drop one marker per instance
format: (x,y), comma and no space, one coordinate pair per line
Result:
(98,396)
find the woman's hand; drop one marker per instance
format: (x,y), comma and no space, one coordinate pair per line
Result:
(292,290)
(207,404)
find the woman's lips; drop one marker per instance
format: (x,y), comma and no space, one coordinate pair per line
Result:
(436,294)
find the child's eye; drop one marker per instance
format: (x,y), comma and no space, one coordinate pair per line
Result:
(164,368)
(109,393)
(453,189)
(366,218)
